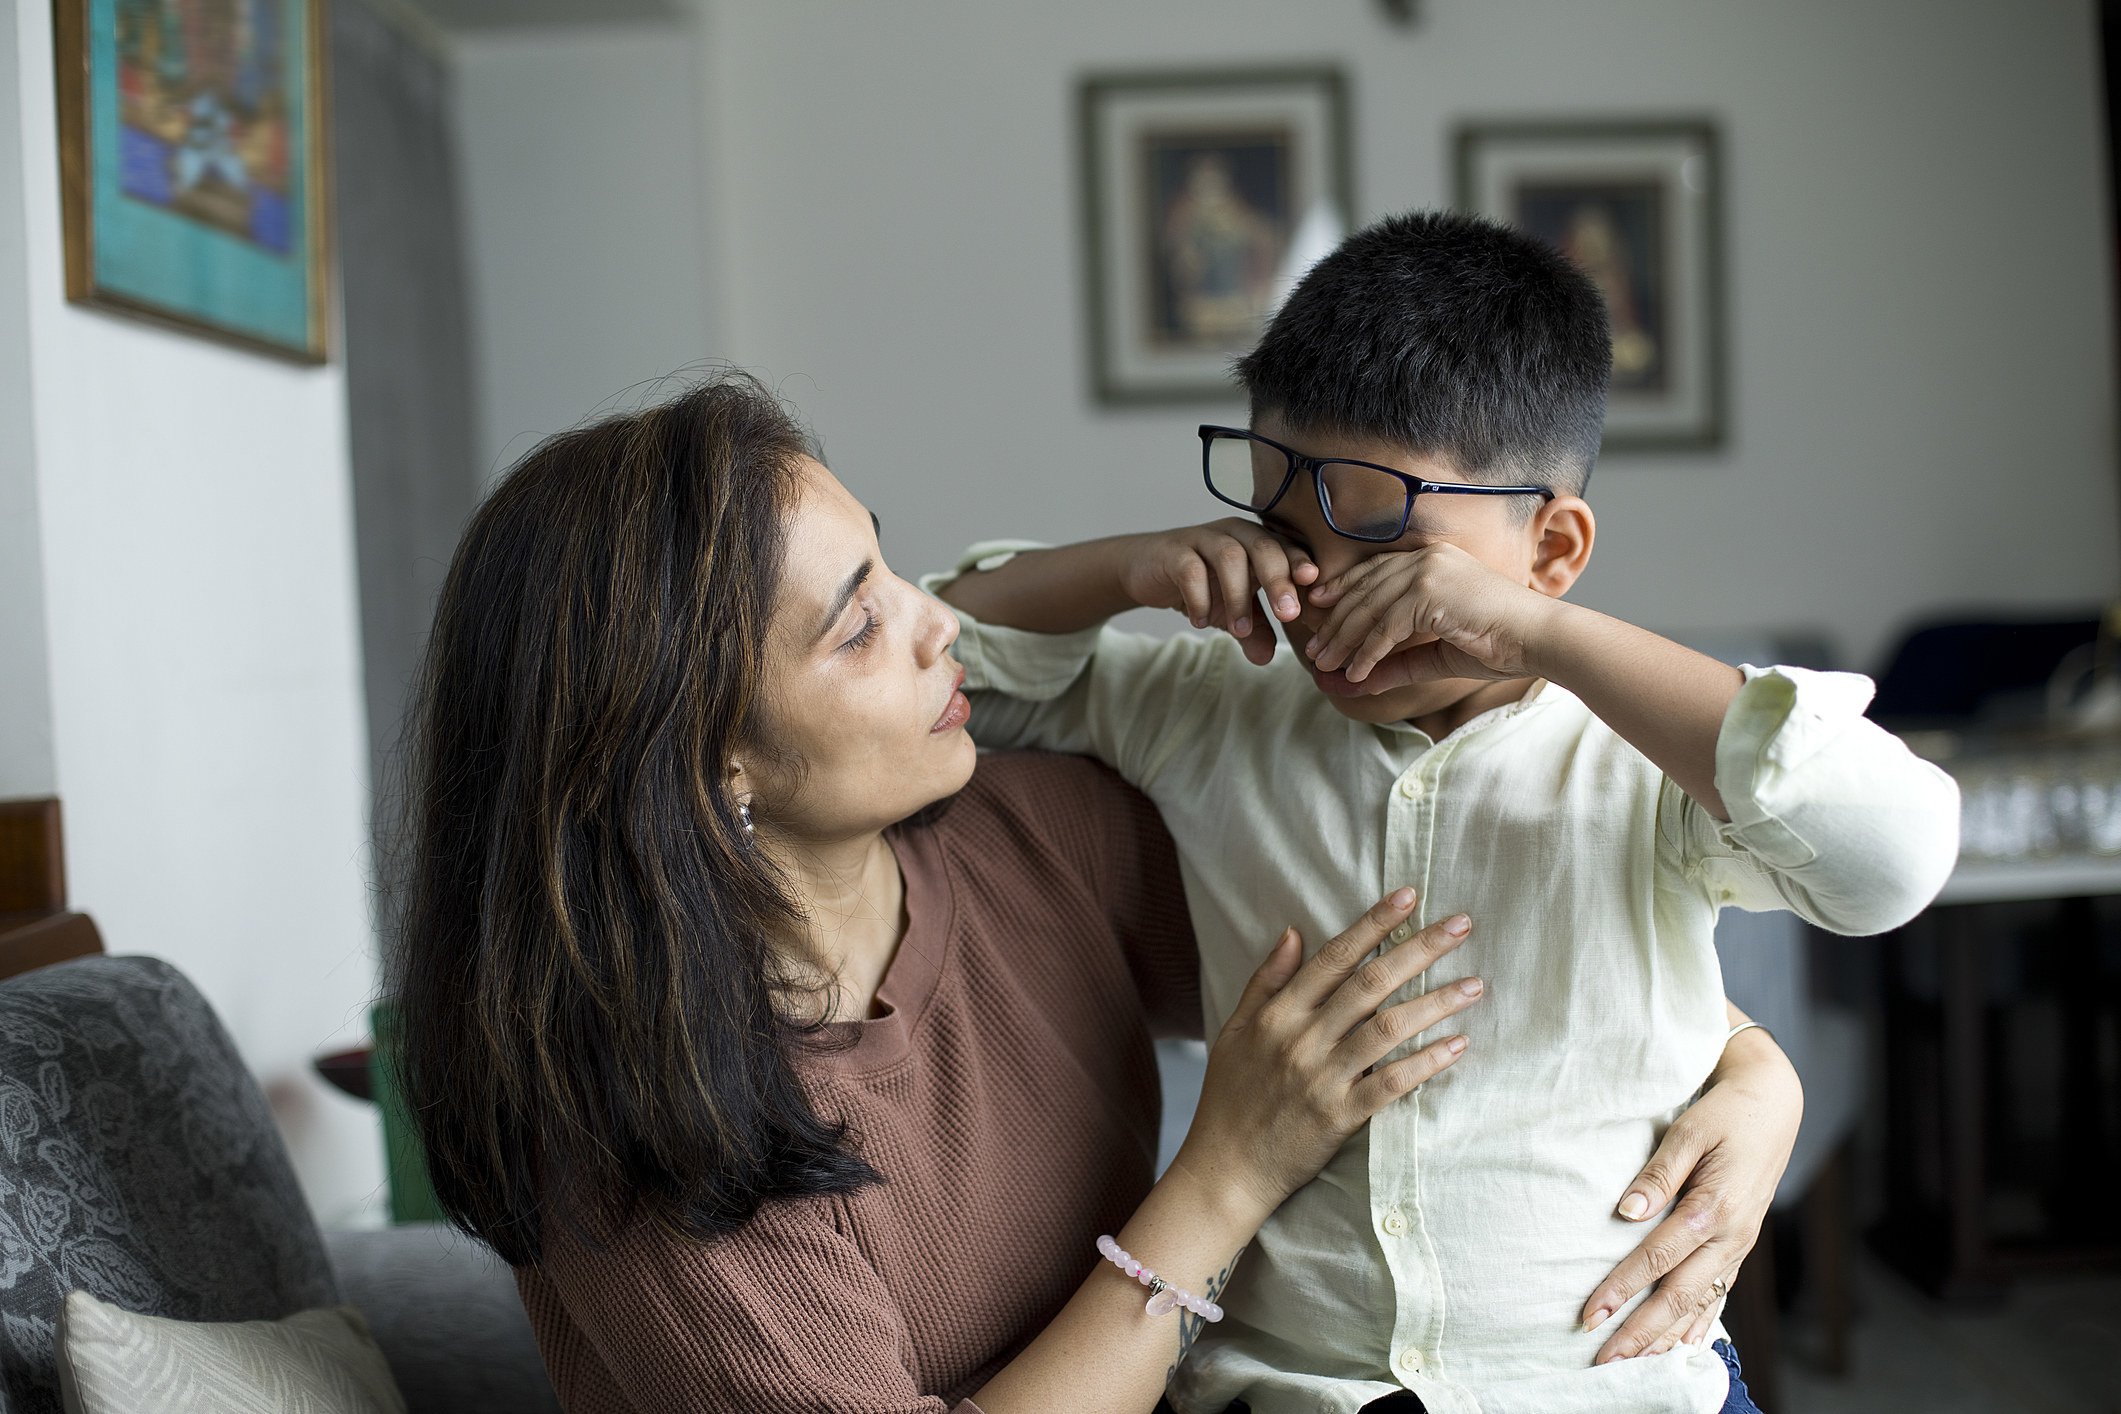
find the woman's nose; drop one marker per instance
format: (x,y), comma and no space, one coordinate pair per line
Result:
(938,633)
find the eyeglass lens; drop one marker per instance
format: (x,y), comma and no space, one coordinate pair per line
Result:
(1360,501)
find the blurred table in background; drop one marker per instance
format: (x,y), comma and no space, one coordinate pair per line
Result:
(2003,1025)
(2002,881)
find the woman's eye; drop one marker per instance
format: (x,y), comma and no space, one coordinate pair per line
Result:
(864,634)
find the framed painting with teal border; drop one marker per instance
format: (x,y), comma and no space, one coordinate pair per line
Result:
(191,150)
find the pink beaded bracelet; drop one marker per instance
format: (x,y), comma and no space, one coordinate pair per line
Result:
(1163,1297)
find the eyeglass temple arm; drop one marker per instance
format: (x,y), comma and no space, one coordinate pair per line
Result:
(1453,488)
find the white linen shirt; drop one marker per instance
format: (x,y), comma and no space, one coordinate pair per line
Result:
(1449,1246)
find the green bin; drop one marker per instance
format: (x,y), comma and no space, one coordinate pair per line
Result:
(412,1196)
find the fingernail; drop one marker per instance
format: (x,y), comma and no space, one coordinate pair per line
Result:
(1457,925)
(1311,645)
(1241,627)
(1472,986)
(1596,1319)
(1286,606)
(1634,1206)
(1455,1044)
(1402,899)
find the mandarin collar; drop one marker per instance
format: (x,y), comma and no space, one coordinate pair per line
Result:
(1539,694)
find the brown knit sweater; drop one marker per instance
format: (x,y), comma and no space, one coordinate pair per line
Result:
(1007,1094)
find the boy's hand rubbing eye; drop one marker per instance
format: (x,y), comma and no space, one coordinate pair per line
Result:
(1435,612)
(1215,575)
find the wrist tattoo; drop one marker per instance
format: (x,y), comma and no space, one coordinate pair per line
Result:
(1189,1325)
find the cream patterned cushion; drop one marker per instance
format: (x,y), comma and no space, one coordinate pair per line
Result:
(139,1162)
(313,1362)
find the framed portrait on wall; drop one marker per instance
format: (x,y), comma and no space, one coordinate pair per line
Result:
(192,166)
(1202,194)
(1636,205)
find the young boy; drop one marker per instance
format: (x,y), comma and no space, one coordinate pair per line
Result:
(1425,411)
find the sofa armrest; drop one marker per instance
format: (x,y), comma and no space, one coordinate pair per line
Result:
(446,1312)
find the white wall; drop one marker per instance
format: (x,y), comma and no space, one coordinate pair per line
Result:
(204,668)
(1920,310)
(581,165)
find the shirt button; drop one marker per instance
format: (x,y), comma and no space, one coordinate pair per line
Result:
(1395,1223)
(1410,1360)
(1403,932)
(1410,787)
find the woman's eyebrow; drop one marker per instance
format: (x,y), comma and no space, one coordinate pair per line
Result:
(840,600)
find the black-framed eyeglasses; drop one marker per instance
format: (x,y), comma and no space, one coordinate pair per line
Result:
(1360,500)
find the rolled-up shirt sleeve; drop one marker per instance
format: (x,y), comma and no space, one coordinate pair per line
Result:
(1831,816)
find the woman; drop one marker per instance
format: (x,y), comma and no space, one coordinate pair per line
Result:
(784,1088)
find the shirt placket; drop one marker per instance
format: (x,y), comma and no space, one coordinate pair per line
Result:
(1397,1220)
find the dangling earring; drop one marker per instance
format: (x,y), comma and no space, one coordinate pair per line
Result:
(743,813)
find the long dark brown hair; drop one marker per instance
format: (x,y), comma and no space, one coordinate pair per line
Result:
(591,1009)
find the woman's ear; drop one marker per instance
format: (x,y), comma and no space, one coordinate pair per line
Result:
(1563,530)
(736,782)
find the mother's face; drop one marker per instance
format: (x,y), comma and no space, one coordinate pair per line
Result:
(862,696)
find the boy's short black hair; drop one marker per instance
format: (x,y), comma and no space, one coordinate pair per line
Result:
(1451,336)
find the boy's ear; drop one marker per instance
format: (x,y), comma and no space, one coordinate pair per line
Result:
(1562,531)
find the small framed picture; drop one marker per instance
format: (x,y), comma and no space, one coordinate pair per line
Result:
(1636,205)
(1203,195)
(191,154)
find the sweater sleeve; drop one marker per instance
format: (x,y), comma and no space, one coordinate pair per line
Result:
(783,1316)
(1111,840)
(1137,879)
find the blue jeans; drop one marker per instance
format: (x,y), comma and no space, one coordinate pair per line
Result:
(1740,1402)
(1403,1402)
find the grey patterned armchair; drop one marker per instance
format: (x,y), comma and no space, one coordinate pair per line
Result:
(138,1160)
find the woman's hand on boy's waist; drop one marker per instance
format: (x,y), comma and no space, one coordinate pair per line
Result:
(1722,1160)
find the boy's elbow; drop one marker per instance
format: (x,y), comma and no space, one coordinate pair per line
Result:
(1893,900)
(1903,864)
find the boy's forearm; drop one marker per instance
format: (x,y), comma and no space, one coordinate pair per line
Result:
(1060,590)
(1667,701)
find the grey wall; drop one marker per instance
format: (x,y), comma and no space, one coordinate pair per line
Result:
(1919,274)
(582,163)
(409,387)
(1918,277)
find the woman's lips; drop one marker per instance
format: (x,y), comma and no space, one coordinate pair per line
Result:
(957,712)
